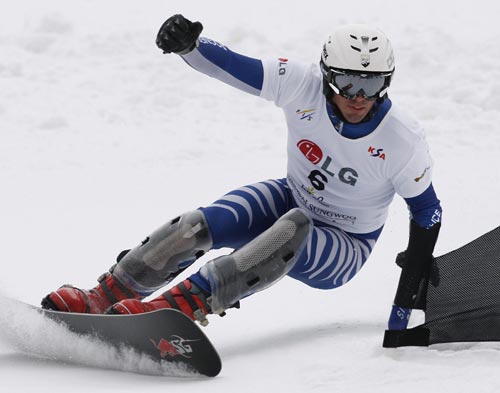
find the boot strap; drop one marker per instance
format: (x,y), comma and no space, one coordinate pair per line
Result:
(107,290)
(170,299)
(188,296)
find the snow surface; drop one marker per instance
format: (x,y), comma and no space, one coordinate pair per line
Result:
(103,139)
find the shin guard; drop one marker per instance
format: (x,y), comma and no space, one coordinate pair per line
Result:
(165,253)
(258,264)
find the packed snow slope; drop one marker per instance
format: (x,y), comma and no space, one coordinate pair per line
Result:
(104,138)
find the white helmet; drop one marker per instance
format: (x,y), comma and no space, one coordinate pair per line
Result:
(357,60)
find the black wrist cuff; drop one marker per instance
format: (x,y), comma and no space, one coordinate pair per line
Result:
(416,266)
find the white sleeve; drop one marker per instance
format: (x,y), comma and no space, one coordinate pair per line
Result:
(416,175)
(284,80)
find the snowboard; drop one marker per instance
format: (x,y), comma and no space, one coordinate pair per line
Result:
(164,335)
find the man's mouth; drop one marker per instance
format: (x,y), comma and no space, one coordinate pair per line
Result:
(356,108)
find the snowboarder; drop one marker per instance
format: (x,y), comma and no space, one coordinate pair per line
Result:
(349,151)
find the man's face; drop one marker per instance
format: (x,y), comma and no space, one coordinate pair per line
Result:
(353,110)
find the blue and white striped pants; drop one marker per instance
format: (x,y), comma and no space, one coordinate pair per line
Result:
(332,257)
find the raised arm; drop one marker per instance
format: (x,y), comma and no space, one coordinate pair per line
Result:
(181,36)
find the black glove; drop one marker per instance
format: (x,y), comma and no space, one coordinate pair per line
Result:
(178,35)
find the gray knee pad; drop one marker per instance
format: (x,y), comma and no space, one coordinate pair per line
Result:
(260,263)
(165,253)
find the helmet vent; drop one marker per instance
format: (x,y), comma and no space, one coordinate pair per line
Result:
(357,49)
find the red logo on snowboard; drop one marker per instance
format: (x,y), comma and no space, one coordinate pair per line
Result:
(177,346)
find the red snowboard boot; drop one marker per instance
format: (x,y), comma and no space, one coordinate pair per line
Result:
(185,296)
(93,301)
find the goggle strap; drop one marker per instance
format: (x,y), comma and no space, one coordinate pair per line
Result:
(334,88)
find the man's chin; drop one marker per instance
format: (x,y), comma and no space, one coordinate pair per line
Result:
(354,118)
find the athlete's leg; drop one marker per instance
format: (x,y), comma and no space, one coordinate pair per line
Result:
(322,257)
(227,279)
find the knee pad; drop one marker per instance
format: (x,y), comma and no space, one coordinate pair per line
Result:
(260,263)
(165,253)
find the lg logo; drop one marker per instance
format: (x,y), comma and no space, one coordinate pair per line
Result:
(319,178)
(311,150)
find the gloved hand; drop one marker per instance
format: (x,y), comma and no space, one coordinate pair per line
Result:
(178,35)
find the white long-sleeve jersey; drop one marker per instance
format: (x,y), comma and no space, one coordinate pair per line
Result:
(348,183)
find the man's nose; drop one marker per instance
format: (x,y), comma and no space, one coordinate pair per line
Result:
(359,98)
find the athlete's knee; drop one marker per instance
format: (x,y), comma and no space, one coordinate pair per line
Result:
(331,260)
(242,214)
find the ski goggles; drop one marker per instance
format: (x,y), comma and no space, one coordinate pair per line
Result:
(350,84)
